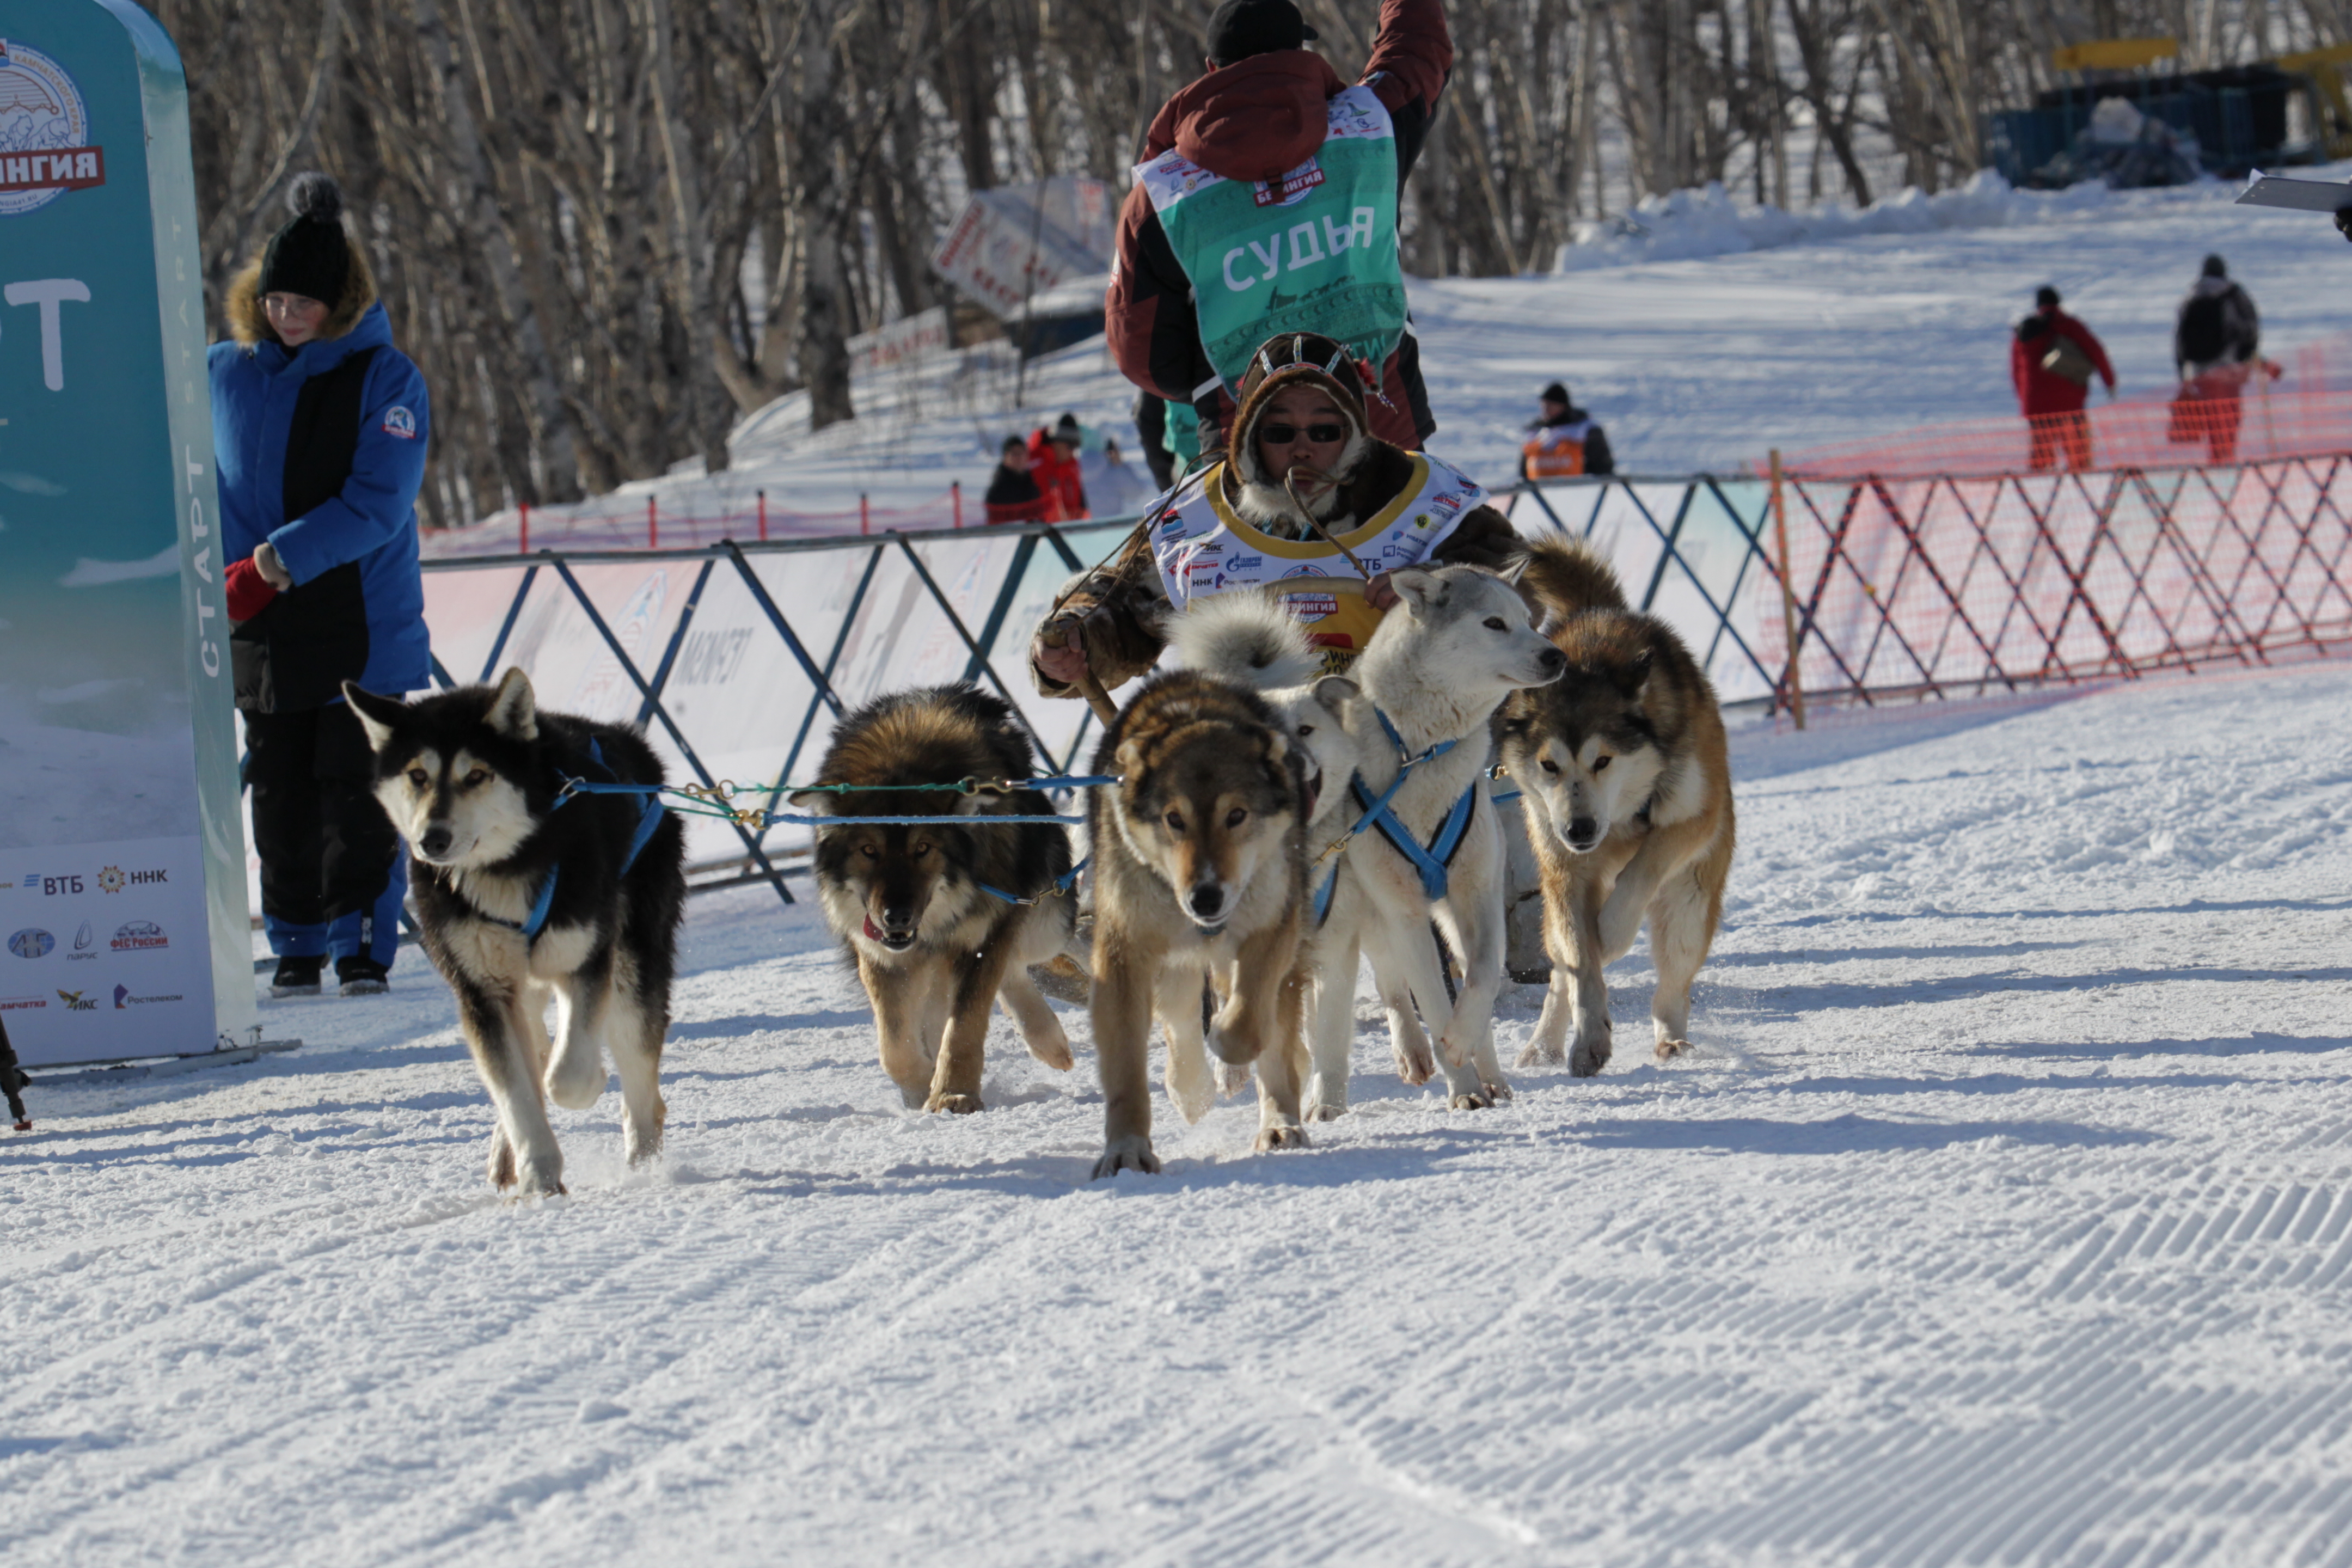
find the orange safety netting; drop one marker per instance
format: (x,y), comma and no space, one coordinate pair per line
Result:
(2300,406)
(1967,584)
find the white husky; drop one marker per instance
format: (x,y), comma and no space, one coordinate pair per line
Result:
(1460,640)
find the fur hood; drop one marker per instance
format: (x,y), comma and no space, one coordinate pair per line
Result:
(249,323)
(1299,359)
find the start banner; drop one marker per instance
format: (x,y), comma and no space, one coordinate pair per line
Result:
(122,889)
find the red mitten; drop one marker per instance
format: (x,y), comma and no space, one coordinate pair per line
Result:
(249,592)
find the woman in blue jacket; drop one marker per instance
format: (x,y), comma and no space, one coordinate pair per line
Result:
(318,430)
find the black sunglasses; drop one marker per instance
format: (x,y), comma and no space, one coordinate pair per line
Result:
(1284,434)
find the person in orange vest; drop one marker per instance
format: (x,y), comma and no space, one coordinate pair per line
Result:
(1054,464)
(1563,441)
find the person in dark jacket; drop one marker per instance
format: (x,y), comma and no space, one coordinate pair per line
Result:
(1267,177)
(2051,359)
(318,431)
(13,1081)
(2216,346)
(2218,324)
(1563,441)
(1013,492)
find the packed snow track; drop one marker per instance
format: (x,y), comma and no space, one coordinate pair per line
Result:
(2005,1218)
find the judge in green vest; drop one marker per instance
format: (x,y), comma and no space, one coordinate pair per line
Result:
(1306,504)
(1267,202)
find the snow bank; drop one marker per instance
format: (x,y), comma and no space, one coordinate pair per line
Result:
(1688,225)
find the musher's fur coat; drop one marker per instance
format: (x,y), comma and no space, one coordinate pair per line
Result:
(1200,867)
(473,780)
(934,948)
(1628,783)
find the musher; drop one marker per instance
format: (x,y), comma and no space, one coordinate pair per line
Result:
(1267,202)
(1368,508)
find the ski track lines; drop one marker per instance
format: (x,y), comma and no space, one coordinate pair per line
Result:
(2006,1218)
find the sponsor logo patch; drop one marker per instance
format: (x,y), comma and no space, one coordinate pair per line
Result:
(45,148)
(123,999)
(77,1003)
(398,421)
(1292,187)
(21,1004)
(1310,606)
(136,936)
(32,942)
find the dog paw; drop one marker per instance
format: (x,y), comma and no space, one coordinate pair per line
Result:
(1323,1111)
(1233,1050)
(1497,1090)
(1584,1063)
(1464,1100)
(953,1104)
(501,1164)
(542,1179)
(1415,1067)
(1280,1137)
(1232,1078)
(1127,1155)
(1669,1049)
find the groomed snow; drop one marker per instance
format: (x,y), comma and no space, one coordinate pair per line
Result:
(2006,1219)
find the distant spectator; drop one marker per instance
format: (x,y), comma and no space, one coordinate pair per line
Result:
(1054,464)
(1563,441)
(1013,492)
(2216,345)
(2218,324)
(2052,361)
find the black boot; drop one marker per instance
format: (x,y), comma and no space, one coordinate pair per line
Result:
(362,976)
(297,975)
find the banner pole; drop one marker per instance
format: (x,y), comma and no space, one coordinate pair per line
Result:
(1787,594)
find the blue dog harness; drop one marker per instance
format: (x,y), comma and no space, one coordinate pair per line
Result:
(649,819)
(1432,859)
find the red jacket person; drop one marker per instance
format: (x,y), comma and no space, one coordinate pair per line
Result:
(1267,202)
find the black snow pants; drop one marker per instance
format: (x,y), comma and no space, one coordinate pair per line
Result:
(327,850)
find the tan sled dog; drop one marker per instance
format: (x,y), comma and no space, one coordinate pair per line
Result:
(1200,866)
(1628,785)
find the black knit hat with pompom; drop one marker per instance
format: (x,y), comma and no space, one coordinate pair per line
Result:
(309,256)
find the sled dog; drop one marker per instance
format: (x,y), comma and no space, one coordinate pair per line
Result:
(1199,868)
(942,918)
(1459,641)
(1251,639)
(1628,783)
(522,888)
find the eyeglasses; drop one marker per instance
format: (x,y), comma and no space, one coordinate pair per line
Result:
(1284,434)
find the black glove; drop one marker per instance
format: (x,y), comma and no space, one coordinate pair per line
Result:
(2343,223)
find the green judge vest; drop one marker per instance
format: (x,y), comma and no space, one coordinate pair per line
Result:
(1315,251)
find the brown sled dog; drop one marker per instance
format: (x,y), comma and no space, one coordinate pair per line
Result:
(912,904)
(1200,868)
(1628,785)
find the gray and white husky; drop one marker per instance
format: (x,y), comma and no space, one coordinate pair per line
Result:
(523,888)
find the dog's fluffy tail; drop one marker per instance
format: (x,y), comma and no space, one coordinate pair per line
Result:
(1568,575)
(1247,638)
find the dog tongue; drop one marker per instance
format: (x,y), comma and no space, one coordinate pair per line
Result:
(873,932)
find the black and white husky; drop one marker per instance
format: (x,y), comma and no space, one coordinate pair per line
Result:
(524,887)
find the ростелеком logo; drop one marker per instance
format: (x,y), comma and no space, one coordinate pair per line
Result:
(45,146)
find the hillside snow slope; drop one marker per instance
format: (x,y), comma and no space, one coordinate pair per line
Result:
(2007,1217)
(1700,365)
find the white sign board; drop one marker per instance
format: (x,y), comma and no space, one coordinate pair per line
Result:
(1017,241)
(902,341)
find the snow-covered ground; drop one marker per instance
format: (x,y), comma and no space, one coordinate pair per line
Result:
(2007,1219)
(1713,336)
